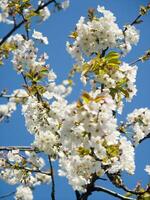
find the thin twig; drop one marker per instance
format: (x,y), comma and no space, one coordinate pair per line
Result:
(24,78)
(52,177)
(112,193)
(26,28)
(77,195)
(28,169)
(134,62)
(132,23)
(132,191)
(40,7)
(7,195)
(21,148)
(147,137)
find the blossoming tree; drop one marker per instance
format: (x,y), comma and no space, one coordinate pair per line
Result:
(84,137)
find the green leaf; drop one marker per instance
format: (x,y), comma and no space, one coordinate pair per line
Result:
(85,68)
(86,97)
(124,91)
(145,196)
(112,54)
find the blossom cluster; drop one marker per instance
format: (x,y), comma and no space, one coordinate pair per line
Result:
(96,35)
(23,193)
(24,169)
(83,135)
(139,121)
(25,52)
(11,9)
(18,96)
(120,80)
(91,143)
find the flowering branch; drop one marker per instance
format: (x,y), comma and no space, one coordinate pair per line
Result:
(84,135)
(143,11)
(29,169)
(52,177)
(112,193)
(143,58)
(20,148)
(17,26)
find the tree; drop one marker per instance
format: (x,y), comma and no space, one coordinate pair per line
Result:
(85,137)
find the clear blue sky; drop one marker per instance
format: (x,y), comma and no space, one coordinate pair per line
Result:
(57,29)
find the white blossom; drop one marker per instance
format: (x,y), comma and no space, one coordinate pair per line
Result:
(6,110)
(147,169)
(39,36)
(95,36)
(45,12)
(23,193)
(140,122)
(65,4)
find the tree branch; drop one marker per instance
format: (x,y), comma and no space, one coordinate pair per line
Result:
(133,191)
(53,181)
(77,193)
(147,137)
(133,22)
(29,169)
(21,148)
(40,7)
(112,193)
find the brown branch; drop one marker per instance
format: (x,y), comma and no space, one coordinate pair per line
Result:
(77,193)
(147,137)
(134,22)
(52,177)
(110,192)
(27,169)
(143,58)
(132,191)
(134,62)
(40,7)
(21,148)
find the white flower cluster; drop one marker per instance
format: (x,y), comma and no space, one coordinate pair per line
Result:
(65,4)
(131,38)
(78,170)
(41,121)
(6,110)
(128,73)
(17,169)
(147,169)
(38,36)
(58,92)
(45,12)
(91,142)
(84,136)
(124,78)
(25,52)
(18,96)
(5,12)
(23,193)
(99,34)
(140,122)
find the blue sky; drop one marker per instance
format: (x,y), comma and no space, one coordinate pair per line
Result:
(57,29)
